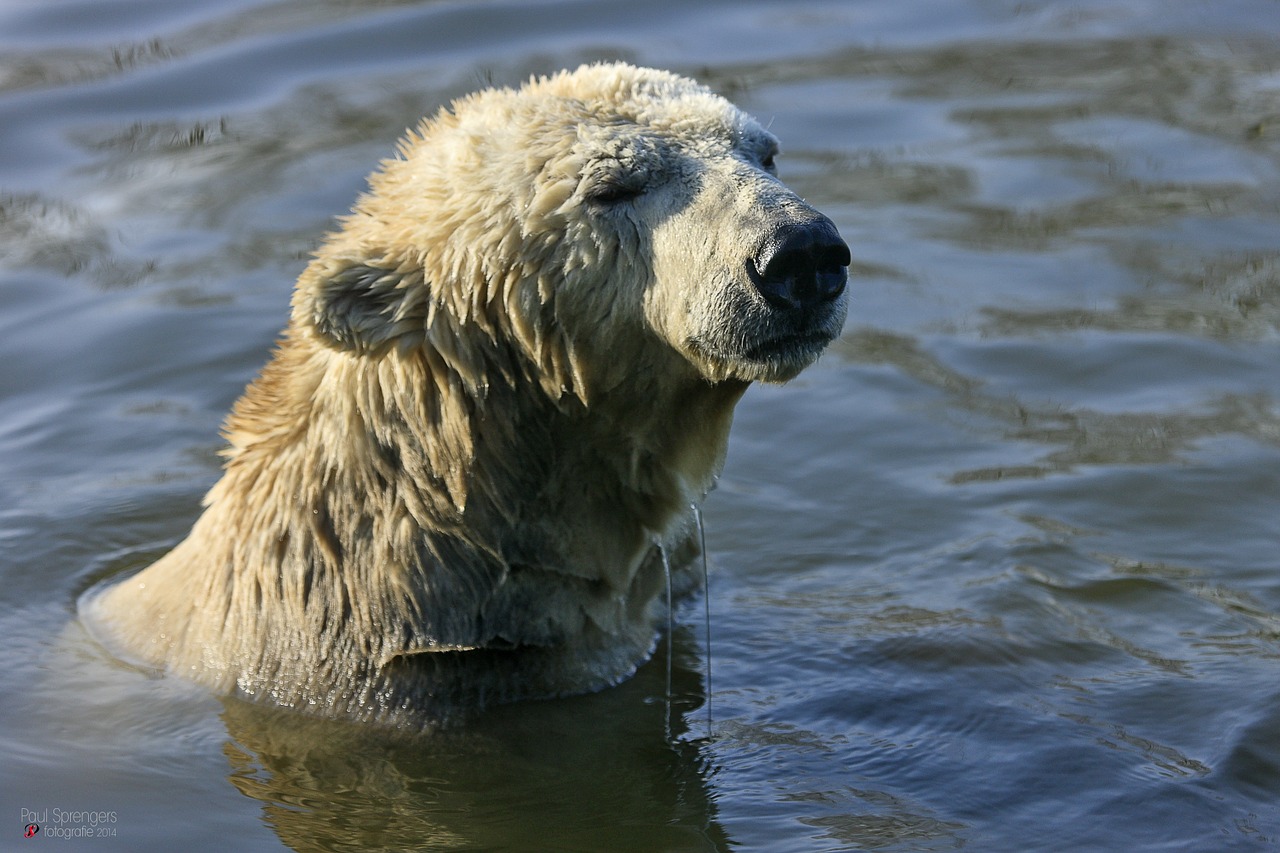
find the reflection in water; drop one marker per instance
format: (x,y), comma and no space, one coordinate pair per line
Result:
(1230,296)
(47,234)
(1081,436)
(873,830)
(589,773)
(64,66)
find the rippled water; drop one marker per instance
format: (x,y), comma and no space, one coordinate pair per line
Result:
(1002,572)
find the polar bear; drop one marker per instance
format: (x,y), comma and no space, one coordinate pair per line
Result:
(507,379)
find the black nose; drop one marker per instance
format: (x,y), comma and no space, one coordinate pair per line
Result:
(800,265)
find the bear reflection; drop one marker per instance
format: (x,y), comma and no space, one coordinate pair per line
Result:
(608,771)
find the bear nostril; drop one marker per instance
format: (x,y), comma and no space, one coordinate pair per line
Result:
(800,265)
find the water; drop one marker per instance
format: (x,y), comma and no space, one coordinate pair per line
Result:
(1000,573)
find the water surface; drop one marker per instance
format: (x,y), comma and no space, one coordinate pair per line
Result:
(1001,572)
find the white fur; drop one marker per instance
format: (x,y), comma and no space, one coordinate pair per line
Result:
(499,387)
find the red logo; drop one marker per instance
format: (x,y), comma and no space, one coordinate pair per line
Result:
(32,829)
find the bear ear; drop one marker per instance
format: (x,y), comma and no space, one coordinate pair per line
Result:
(361,306)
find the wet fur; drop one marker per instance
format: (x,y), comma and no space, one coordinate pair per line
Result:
(498,392)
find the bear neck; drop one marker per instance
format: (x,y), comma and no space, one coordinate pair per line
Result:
(475,506)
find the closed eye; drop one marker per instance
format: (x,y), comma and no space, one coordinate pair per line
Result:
(615,192)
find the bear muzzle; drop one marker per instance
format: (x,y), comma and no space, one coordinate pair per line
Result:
(800,266)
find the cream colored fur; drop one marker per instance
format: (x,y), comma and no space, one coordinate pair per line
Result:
(500,387)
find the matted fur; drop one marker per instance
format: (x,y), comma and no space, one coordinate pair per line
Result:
(506,379)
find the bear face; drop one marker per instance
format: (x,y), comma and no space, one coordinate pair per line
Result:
(508,377)
(587,214)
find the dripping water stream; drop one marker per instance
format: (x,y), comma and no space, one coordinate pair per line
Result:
(706,620)
(666,566)
(706,613)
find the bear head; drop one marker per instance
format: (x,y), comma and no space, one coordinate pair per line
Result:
(586,230)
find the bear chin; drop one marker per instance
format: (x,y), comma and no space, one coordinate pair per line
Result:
(765,347)
(775,361)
